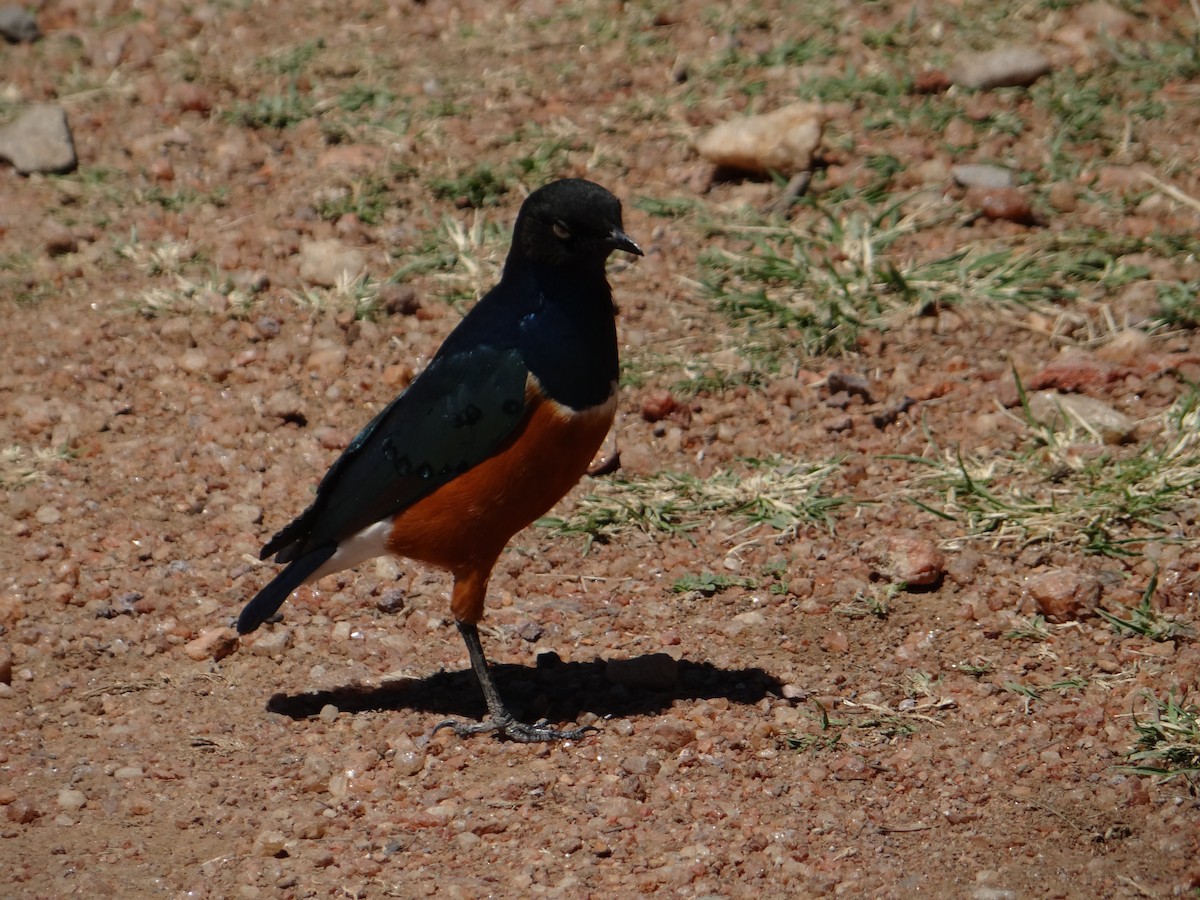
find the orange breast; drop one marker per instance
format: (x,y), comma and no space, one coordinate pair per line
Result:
(463,525)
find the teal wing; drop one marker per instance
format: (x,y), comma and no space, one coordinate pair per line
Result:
(451,418)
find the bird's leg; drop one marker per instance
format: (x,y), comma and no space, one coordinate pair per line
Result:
(499,718)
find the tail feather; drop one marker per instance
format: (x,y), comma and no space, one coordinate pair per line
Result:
(271,597)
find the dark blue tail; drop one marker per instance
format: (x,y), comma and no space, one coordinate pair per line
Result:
(270,598)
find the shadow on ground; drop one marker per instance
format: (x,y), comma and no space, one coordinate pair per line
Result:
(559,692)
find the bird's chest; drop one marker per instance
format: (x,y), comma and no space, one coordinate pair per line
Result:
(473,516)
(573,356)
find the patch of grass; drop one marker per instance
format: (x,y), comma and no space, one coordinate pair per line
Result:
(827,737)
(976,667)
(707,584)
(1034,692)
(667,207)
(186,297)
(478,187)
(163,258)
(1033,629)
(547,159)
(464,257)
(859,87)
(715,381)
(870,723)
(780,494)
(189,285)
(273,110)
(1168,743)
(1179,303)
(850,270)
(1145,620)
(360,295)
(1028,691)
(171,200)
(20,465)
(873,602)
(368,199)
(920,684)
(1109,504)
(361,97)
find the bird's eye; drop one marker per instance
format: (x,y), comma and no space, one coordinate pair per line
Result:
(561,231)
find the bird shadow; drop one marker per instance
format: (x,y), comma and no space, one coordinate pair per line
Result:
(554,690)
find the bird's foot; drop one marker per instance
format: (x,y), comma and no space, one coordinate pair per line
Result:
(507,726)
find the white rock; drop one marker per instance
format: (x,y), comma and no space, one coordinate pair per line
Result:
(1096,417)
(782,141)
(71,799)
(326,262)
(17,25)
(977,175)
(39,140)
(1004,67)
(272,642)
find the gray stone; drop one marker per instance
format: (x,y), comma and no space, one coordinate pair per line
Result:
(781,141)
(17,25)
(1096,417)
(977,175)
(1004,67)
(39,140)
(326,262)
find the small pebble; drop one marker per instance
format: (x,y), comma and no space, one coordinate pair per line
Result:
(270,843)
(215,643)
(672,734)
(905,559)
(1003,67)
(975,175)
(1091,416)
(782,141)
(71,799)
(1064,595)
(271,642)
(17,25)
(1001,203)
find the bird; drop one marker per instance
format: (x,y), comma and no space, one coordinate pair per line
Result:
(499,426)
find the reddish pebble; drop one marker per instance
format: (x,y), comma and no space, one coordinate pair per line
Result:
(1073,372)
(1063,595)
(162,169)
(907,560)
(21,812)
(658,406)
(835,642)
(215,643)
(672,734)
(192,98)
(1007,204)
(931,81)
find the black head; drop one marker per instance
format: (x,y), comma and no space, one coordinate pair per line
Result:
(571,222)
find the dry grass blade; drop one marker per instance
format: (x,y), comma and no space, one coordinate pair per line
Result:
(21,465)
(777,494)
(1111,503)
(124,687)
(217,744)
(1168,743)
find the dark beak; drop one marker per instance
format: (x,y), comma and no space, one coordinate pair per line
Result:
(619,240)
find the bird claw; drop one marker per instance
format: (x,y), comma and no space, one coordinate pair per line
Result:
(507,726)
